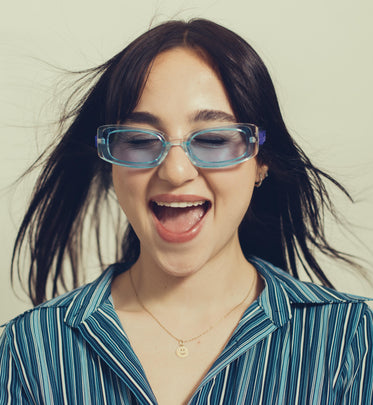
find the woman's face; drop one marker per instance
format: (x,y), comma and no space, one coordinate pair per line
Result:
(184,216)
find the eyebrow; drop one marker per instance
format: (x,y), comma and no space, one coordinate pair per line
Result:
(143,117)
(212,115)
(140,117)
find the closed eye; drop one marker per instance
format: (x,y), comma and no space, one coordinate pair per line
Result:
(135,139)
(141,141)
(211,140)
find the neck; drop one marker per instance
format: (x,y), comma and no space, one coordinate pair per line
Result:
(188,303)
(218,284)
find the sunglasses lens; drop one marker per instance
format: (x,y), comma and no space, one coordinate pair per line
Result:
(222,146)
(213,147)
(133,146)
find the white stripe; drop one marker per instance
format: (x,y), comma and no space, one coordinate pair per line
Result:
(320,348)
(333,342)
(60,356)
(103,390)
(342,345)
(9,382)
(363,361)
(112,320)
(210,392)
(224,384)
(21,363)
(301,352)
(269,341)
(40,352)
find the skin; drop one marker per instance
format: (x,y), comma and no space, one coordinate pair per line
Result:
(191,284)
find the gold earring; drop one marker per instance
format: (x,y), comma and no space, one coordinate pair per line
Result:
(261,178)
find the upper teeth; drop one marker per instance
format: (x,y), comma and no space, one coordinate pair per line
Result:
(179,204)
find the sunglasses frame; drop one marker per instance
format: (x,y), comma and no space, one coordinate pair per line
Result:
(252,131)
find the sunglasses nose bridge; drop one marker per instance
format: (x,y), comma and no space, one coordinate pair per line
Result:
(177,142)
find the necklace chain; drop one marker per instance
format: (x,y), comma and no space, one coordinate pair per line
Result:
(182,351)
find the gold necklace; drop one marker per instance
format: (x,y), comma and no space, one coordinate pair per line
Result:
(182,351)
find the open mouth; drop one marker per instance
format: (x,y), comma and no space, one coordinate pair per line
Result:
(179,217)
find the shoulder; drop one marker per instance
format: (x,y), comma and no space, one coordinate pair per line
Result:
(286,298)
(38,344)
(52,316)
(35,329)
(302,292)
(326,321)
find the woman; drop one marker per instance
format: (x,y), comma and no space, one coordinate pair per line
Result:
(216,194)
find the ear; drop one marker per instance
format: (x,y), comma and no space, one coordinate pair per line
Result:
(261,174)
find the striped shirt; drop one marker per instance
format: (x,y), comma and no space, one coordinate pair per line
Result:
(298,343)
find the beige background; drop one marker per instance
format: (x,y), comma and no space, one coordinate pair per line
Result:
(319,54)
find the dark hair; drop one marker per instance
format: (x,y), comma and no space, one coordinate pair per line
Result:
(284,223)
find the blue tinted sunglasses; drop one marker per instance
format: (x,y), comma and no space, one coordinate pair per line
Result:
(211,148)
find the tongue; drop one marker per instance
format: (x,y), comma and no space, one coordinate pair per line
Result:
(179,220)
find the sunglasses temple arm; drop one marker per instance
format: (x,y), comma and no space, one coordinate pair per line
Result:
(262,136)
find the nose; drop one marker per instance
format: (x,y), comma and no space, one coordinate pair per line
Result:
(176,168)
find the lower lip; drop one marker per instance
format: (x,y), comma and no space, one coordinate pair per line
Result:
(173,237)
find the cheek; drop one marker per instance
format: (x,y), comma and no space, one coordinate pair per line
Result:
(234,190)
(238,180)
(126,186)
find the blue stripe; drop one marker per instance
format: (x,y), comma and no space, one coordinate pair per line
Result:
(298,343)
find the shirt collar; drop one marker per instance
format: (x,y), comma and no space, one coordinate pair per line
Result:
(280,293)
(91,297)
(283,290)
(92,305)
